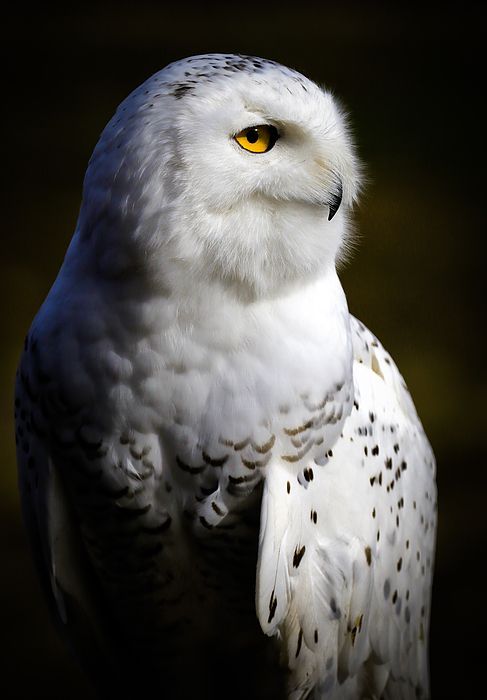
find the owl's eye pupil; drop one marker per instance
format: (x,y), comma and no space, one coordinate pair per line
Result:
(252,135)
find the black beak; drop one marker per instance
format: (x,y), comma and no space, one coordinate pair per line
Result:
(335,200)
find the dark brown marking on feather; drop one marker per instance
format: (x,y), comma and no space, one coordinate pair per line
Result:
(181,90)
(290,458)
(368,555)
(298,555)
(256,463)
(263,449)
(240,445)
(217,508)
(317,406)
(300,641)
(272,607)
(336,613)
(219,462)
(299,429)
(239,479)
(189,470)
(205,523)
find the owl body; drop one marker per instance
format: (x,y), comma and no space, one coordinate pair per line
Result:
(202,426)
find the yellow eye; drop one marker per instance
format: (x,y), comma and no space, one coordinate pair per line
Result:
(257,139)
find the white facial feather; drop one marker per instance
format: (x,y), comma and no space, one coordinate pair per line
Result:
(190,201)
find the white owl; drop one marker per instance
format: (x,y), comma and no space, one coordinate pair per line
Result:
(227,487)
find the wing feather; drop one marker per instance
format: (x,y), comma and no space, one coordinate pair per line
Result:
(353,612)
(67,578)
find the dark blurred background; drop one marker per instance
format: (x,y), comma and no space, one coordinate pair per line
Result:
(412,81)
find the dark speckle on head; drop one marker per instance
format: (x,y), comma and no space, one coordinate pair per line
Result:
(189,73)
(181,89)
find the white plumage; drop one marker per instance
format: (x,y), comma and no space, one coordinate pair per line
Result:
(200,420)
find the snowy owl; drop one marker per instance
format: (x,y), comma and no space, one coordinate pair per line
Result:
(227,487)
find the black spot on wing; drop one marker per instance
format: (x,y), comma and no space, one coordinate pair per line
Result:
(272,607)
(189,470)
(300,641)
(298,555)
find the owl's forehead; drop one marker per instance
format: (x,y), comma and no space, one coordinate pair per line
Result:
(227,72)
(208,67)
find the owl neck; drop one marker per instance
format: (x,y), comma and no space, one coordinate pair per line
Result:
(303,328)
(309,321)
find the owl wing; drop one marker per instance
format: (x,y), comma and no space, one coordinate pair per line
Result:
(63,566)
(72,478)
(345,563)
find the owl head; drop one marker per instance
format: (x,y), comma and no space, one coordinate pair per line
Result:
(221,170)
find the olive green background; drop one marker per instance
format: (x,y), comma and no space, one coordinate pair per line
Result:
(411,80)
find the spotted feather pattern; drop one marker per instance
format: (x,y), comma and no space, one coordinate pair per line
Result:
(346,559)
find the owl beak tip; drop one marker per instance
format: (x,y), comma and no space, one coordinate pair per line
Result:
(335,201)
